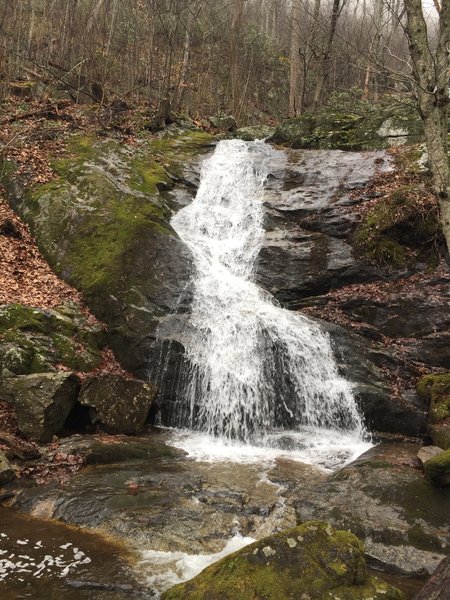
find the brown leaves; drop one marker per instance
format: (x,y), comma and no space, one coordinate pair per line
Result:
(25,277)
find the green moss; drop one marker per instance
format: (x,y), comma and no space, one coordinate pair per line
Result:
(398,229)
(436,389)
(438,469)
(35,341)
(313,559)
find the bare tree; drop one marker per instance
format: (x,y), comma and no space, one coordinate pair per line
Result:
(431,68)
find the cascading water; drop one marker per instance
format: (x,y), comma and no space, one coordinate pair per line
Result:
(254,371)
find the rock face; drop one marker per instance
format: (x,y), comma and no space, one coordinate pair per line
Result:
(385,499)
(311,204)
(103,225)
(309,561)
(42,402)
(119,405)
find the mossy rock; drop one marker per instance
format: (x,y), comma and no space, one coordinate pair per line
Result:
(254,132)
(436,389)
(438,469)
(104,225)
(309,561)
(34,340)
(331,129)
(440,434)
(396,231)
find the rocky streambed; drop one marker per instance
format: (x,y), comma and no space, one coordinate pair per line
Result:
(177,514)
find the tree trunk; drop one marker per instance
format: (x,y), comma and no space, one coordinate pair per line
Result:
(431,74)
(322,76)
(438,585)
(294,94)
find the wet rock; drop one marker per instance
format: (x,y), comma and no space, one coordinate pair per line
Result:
(366,367)
(6,471)
(120,405)
(437,469)
(384,498)
(332,563)
(440,434)
(42,402)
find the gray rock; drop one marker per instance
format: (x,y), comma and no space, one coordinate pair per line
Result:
(382,497)
(221,121)
(6,471)
(428,452)
(42,402)
(120,405)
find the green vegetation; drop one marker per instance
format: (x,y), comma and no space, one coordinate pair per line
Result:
(401,228)
(312,559)
(436,389)
(37,341)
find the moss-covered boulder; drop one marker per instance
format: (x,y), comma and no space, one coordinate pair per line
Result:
(119,405)
(104,226)
(254,132)
(311,561)
(438,469)
(436,390)
(330,129)
(34,340)
(42,402)
(400,229)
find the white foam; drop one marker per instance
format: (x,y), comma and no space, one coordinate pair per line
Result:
(324,448)
(170,568)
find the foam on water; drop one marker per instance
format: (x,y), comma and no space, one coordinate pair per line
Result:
(326,449)
(170,568)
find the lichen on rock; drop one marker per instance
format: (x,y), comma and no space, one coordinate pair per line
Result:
(323,564)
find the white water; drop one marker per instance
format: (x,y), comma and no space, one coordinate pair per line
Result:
(259,376)
(170,568)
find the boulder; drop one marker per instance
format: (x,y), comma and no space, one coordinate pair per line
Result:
(104,226)
(437,469)
(435,390)
(34,340)
(428,452)
(309,561)
(42,402)
(221,121)
(384,499)
(120,405)
(6,471)
(254,132)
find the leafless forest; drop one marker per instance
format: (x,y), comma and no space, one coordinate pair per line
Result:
(258,59)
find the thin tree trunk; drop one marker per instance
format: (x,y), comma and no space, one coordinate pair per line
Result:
(431,73)
(325,64)
(294,92)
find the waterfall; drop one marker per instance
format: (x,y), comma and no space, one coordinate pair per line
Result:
(252,367)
